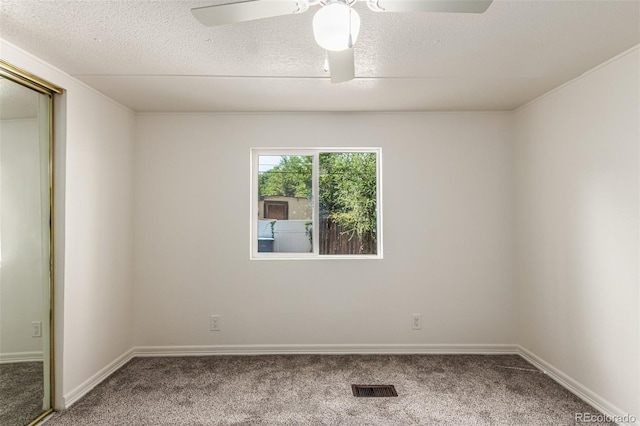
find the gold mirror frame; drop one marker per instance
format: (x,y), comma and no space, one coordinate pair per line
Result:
(29,80)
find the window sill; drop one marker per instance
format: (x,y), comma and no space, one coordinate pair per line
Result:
(323,257)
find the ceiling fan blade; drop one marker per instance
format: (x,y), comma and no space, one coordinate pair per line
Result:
(231,13)
(455,6)
(341,65)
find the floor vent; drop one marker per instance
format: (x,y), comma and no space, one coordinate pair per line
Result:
(374,390)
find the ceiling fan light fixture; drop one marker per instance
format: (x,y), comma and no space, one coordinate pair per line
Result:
(336,27)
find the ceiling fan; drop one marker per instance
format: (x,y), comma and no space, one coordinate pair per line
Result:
(335,25)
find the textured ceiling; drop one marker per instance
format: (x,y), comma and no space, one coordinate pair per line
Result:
(154,56)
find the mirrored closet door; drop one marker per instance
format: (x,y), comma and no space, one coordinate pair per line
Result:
(26,377)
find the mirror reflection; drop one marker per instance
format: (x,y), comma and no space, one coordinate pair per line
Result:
(24,254)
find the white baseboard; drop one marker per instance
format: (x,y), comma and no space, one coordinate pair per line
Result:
(70,398)
(156,351)
(12,357)
(578,389)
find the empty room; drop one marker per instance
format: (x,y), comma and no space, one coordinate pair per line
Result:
(319,212)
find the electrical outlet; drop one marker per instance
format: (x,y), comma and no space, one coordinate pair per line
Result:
(214,323)
(416,321)
(36,329)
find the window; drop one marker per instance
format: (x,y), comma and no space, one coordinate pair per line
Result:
(316,203)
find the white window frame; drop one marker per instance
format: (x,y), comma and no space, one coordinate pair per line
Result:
(315,153)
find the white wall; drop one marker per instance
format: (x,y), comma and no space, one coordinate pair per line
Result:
(447,234)
(94,234)
(577,210)
(21,278)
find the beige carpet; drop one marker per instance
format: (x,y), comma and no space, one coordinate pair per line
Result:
(21,392)
(316,390)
